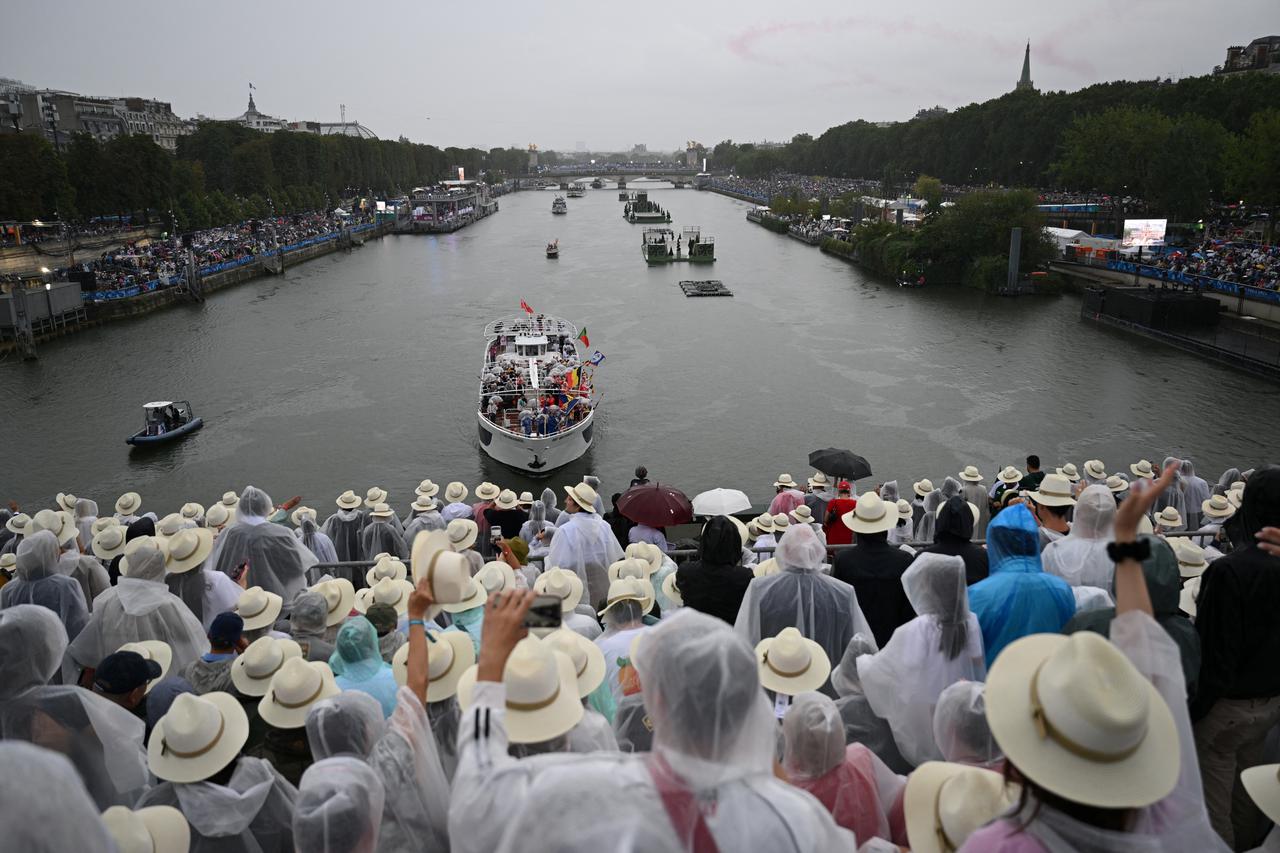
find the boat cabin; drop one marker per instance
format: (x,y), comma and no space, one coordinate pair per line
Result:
(162,416)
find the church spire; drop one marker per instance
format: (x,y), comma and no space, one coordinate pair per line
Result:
(1024,82)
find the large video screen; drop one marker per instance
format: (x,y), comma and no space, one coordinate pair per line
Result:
(1144,232)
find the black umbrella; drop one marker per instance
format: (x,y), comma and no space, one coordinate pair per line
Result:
(840,463)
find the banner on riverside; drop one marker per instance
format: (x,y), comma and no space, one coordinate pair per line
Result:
(1143,232)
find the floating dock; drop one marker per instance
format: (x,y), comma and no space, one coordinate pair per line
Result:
(711,287)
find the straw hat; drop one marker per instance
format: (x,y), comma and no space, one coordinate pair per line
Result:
(786,481)
(905,510)
(426,489)
(66,501)
(970,474)
(447,572)
(455,492)
(487,491)
(192,511)
(188,548)
(1187,597)
(648,552)
(386,591)
(375,496)
(587,658)
(1218,507)
(629,567)
(923,488)
(973,508)
(58,522)
(381,510)
(253,668)
(506,500)
(766,567)
(102,522)
(258,608)
(348,500)
(1009,475)
(19,523)
(561,583)
(791,664)
(583,495)
(199,736)
(474,596)
(294,689)
(423,503)
(387,567)
(871,515)
(764,523)
(129,503)
(1143,468)
(496,576)
(1117,484)
(670,590)
(462,533)
(1077,718)
(1263,784)
(542,692)
(155,829)
(1095,470)
(297,515)
(1069,471)
(141,542)
(1191,559)
(781,522)
(339,597)
(451,655)
(629,589)
(216,517)
(1235,497)
(155,650)
(1055,490)
(1169,518)
(526,499)
(170,525)
(819,480)
(945,803)
(230,500)
(802,515)
(110,543)
(8,563)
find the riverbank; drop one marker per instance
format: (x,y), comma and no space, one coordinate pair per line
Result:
(27,260)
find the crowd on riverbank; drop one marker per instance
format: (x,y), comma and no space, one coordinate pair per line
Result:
(247,676)
(1254,264)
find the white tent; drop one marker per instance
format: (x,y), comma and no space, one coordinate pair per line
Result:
(1063,237)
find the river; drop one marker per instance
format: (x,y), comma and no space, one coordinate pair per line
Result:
(360,369)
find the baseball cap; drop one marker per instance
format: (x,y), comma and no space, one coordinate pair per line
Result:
(383,617)
(226,628)
(121,672)
(520,548)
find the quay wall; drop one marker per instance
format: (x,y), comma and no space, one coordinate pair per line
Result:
(1239,303)
(27,260)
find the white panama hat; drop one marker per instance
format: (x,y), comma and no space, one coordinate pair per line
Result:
(58,522)
(448,573)
(142,542)
(526,499)
(154,829)
(426,489)
(790,663)
(973,508)
(1218,506)
(199,736)
(66,500)
(423,503)
(1236,497)
(563,584)
(1169,518)
(647,552)
(1191,559)
(8,562)
(765,568)
(217,516)
(293,690)
(252,669)
(170,524)
(102,522)
(507,499)
(970,474)
(386,567)
(187,549)
(786,481)
(1009,475)
(1143,468)
(871,515)
(339,597)
(542,692)
(19,523)
(129,503)
(781,521)
(1117,484)
(462,533)
(629,589)
(455,492)
(155,650)
(496,576)
(381,510)
(629,567)
(1055,490)
(473,597)
(258,608)
(587,658)
(923,488)
(348,500)
(1094,469)
(1263,784)
(802,515)
(1070,471)
(1078,719)
(297,515)
(374,496)
(671,591)
(583,495)
(230,500)
(192,511)
(1187,597)
(452,654)
(109,543)
(906,511)
(819,479)
(487,491)
(764,523)
(945,803)
(389,591)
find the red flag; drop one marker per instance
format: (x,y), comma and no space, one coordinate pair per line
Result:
(582,336)
(525,306)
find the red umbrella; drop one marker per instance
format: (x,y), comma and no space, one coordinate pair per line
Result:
(655,505)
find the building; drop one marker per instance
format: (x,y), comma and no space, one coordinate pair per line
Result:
(56,115)
(931,112)
(155,119)
(533,157)
(639,148)
(331,128)
(1261,54)
(259,121)
(694,153)
(1024,82)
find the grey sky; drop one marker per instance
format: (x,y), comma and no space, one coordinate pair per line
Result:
(604,73)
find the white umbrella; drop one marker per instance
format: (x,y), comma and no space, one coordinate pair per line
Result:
(720,502)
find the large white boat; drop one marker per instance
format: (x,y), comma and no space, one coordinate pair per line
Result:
(536,404)
(559,205)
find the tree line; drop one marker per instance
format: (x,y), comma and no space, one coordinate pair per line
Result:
(1180,146)
(222,173)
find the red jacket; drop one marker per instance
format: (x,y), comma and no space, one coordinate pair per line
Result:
(837,532)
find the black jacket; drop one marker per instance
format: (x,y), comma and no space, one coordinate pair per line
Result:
(1236,610)
(951,536)
(874,569)
(715,583)
(509,520)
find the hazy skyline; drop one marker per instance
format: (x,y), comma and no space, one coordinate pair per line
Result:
(609,75)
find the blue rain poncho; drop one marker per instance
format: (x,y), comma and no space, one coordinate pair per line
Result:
(1018,598)
(357,663)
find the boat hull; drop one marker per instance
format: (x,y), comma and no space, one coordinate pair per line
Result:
(538,455)
(138,439)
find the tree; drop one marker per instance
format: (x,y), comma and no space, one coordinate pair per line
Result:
(1114,151)
(977,227)
(34,183)
(1254,165)
(929,189)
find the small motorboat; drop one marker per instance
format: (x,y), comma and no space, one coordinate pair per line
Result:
(163,421)
(553,249)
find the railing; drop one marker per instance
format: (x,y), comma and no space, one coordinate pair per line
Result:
(1231,288)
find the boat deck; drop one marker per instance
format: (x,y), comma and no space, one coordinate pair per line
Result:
(710,287)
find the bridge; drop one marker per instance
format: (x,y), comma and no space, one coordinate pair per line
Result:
(605,171)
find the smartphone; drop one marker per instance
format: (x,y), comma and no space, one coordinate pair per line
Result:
(544,613)
(238,571)
(495,534)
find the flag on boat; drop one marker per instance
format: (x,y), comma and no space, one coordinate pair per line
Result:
(525,306)
(573,378)
(597,358)
(582,336)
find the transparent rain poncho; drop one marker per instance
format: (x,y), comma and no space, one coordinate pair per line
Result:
(278,562)
(86,570)
(855,786)
(960,727)
(800,596)
(307,625)
(37,581)
(102,740)
(1172,496)
(549,500)
(86,514)
(536,524)
(339,807)
(593,733)
(1017,598)
(861,723)
(925,529)
(343,529)
(380,537)
(444,717)
(1080,558)
(585,544)
(47,807)
(1195,491)
(357,663)
(950,488)
(941,646)
(316,540)
(422,522)
(252,813)
(1229,476)
(139,607)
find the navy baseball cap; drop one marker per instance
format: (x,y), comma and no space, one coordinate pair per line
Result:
(121,672)
(226,628)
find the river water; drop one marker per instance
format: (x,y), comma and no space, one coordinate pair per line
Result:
(360,369)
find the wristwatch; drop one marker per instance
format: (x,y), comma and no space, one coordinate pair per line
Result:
(1139,550)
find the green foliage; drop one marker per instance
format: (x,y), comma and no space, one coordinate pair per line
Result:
(930,189)
(837,247)
(774,224)
(989,273)
(1254,173)
(979,226)
(33,179)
